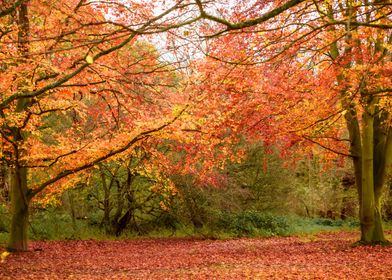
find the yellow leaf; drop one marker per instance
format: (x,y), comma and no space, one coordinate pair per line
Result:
(177,110)
(4,255)
(89,59)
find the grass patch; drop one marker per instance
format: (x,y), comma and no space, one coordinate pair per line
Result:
(304,226)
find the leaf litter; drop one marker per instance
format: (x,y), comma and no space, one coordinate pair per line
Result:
(327,256)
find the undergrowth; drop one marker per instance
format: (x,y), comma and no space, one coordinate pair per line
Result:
(53,224)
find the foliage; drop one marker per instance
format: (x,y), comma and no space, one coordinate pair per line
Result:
(306,187)
(77,89)
(57,224)
(54,223)
(86,85)
(130,193)
(196,205)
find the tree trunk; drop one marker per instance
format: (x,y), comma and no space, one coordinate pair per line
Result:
(19,191)
(72,208)
(4,181)
(20,210)
(375,160)
(372,231)
(106,200)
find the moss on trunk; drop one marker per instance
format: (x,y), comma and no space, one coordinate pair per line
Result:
(20,211)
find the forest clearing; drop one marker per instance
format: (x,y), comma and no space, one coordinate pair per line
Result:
(190,139)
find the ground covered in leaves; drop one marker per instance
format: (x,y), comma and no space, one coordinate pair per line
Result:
(325,256)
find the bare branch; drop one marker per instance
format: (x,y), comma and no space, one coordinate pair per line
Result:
(248,23)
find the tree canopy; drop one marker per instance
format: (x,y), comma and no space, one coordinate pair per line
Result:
(87,81)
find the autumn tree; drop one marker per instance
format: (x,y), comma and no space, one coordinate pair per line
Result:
(71,99)
(74,93)
(323,64)
(57,65)
(363,56)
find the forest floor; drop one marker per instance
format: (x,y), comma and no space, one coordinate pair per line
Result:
(321,256)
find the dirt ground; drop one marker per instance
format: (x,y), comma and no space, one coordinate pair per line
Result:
(325,256)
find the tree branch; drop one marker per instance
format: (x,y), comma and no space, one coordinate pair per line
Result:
(112,153)
(248,23)
(325,147)
(69,76)
(12,8)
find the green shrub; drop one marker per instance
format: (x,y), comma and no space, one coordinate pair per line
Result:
(49,224)
(252,223)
